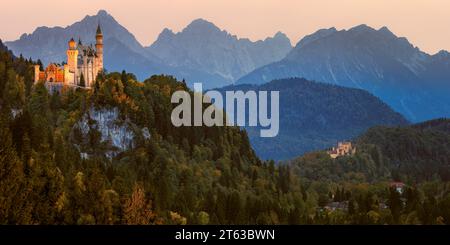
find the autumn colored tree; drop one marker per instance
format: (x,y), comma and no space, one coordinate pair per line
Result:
(137,209)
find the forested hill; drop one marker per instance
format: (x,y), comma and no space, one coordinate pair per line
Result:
(110,155)
(441,124)
(411,154)
(364,188)
(315,116)
(418,152)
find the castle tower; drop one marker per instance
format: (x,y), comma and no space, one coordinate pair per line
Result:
(99,49)
(72,56)
(36,73)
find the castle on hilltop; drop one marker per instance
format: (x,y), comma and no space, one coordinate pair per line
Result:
(84,62)
(342,149)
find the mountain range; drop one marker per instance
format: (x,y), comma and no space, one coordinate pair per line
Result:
(316,116)
(203,46)
(199,53)
(412,82)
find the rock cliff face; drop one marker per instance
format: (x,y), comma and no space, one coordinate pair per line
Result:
(106,127)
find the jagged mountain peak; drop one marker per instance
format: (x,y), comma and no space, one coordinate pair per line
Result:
(442,54)
(201,25)
(102,12)
(385,30)
(165,36)
(84,26)
(203,46)
(102,17)
(166,31)
(381,41)
(364,31)
(361,28)
(279,33)
(280,36)
(315,36)
(441,59)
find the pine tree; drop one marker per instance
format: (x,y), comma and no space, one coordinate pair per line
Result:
(14,208)
(39,104)
(123,77)
(41,66)
(46,182)
(395,204)
(82,82)
(295,216)
(26,149)
(351,207)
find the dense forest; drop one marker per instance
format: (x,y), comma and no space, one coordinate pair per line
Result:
(418,156)
(57,168)
(110,155)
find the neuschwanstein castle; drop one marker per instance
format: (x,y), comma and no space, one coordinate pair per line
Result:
(83,64)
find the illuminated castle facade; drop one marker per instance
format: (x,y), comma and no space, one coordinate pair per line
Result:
(343,149)
(84,62)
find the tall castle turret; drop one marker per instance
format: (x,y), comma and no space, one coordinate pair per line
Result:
(72,56)
(37,72)
(99,48)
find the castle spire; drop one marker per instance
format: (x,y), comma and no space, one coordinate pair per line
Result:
(72,44)
(99,30)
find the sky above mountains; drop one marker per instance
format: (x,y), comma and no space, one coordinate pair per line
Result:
(424,23)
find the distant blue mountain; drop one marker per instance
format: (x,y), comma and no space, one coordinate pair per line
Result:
(412,82)
(203,46)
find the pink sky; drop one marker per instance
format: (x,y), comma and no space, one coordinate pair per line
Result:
(426,23)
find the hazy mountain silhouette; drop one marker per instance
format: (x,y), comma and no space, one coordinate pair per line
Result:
(410,81)
(203,46)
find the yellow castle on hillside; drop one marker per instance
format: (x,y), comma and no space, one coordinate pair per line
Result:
(83,64)
(342,149)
